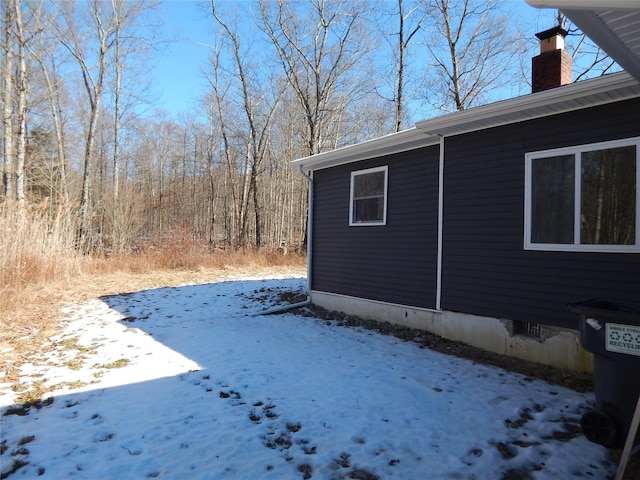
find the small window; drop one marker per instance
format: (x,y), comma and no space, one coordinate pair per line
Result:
(583,198)
(368,197)
(527,329)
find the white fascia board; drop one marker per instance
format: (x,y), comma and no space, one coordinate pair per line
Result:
(393,143)
(588,93)
(585,4)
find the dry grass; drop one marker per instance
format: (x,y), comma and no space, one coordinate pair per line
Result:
(40,271)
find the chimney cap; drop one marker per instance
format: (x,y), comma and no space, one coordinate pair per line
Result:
(552,32)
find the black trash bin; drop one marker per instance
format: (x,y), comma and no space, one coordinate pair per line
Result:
(611,331)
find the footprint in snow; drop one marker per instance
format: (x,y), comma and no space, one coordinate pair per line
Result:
(498,400)
(102,437)
(472,456)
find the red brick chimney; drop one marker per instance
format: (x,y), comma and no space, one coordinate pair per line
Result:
(552,67)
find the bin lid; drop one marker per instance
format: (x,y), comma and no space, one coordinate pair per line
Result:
(603,310)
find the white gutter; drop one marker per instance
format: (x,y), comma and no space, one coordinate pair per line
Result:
(585,4)
(284,308)
(397,142)
(440,224)
(588,93)
(309,177)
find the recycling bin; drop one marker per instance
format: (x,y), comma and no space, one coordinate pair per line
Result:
(611,331)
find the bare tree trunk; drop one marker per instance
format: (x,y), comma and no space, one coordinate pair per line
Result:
(116,112)
(404,41)
(102,26)
(21,110)
(399,101)
(44,53)
(452,40)
(7,118)
(471,52)
(316,60)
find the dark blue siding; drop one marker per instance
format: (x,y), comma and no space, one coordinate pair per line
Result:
(393,263)
(486,270)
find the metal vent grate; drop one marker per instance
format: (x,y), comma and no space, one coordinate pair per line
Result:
(527,329)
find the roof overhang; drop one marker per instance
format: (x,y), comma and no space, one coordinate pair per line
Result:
(588,93)
(394,143)
(612,24)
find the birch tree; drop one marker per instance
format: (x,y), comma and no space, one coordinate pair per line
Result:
(15,100)
(7,101)
(47,56)
(22,85)
(89,37)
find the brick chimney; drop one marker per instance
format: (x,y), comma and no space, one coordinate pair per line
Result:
(552,67)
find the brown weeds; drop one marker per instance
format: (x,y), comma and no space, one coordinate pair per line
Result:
(40,271)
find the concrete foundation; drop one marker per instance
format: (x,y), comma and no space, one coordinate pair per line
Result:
(556,347)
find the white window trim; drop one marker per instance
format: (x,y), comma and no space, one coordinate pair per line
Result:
(356,173)
(577,151)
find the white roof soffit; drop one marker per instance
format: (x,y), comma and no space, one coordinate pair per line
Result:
(394,143)
(612,24)
(588,93)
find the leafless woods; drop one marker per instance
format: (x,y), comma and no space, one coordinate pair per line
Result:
(81,137)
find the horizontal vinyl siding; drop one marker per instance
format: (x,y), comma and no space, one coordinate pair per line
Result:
(392,263)
(486,270)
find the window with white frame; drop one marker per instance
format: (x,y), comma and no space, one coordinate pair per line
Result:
(368,204)
(583,198)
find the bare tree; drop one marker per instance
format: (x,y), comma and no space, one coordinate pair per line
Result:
(15,100)
(128,16)
(22,85)
(7,100)
(471,51)
(404,40)
(588,58)
(221,118)
(406,21)
(100,23)
(258,110)
(45,54)
(319,55)
(98,37)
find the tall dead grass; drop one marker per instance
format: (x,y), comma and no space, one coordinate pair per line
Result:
(35,247)
(40,268)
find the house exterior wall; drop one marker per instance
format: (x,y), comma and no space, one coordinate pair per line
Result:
(391,263)
(486,270)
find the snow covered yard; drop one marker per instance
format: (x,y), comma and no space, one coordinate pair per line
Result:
(183,383)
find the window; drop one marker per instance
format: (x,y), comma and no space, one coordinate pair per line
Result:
(368,197)
(583,198)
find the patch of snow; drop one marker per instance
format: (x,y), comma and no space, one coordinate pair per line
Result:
(205,390)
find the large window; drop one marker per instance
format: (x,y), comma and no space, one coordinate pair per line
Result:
(583,198)
(368,204)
